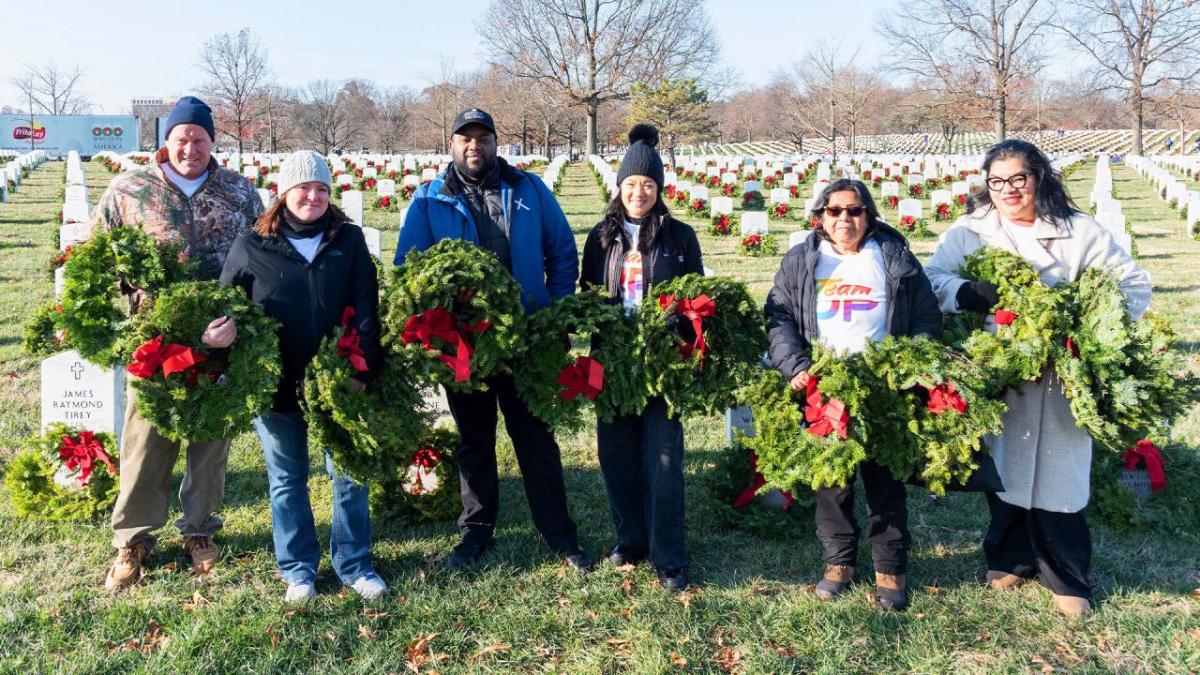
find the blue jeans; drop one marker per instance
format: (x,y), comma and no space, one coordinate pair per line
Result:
(284,438)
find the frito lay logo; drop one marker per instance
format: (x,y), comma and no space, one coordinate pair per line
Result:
(37,132)
(107,131)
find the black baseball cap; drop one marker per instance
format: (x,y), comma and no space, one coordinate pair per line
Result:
(473,116)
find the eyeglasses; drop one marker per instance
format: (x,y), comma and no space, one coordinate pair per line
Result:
(1017,181)
(852,211)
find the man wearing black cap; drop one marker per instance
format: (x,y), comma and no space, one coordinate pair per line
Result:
(513,215)
(183,195)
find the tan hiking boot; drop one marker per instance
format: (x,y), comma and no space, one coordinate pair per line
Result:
(834,582)
(128,568)
(204,554)
(891,591)
(1072,605)
(1003,581)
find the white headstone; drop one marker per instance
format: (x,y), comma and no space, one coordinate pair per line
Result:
(428,173)
(264,195)
(72,233)
(790,179)
(754,222)
(728,178)
(752,186)
(60,282)
(82,394)
(75,212)
(386,188)
(372,236)
(779,196)
(940,197)
(890,188)
(740,419)
(345,179)
(819,187)
(352,204)
(1108,206)
(910,207)
(370,172)
(698,192)
(721,206)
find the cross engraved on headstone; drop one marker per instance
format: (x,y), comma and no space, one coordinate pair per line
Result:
(77,368)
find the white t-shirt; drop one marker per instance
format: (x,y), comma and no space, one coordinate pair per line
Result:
(852,304)
(632,279)
(186,185)
(1020,235)
(307,247)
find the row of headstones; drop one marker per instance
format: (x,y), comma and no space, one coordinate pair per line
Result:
(14,166)
(550,176)
(1168,186)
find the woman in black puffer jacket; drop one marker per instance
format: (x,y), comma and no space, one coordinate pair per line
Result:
(637,246)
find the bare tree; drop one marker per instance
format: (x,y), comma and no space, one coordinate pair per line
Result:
(1181,105)
(441,101)
(830,94)
(49,90)
(276,128)
(393,120)
(236,66)
(998,38)
(324,118)
(1139,46)
(593,51)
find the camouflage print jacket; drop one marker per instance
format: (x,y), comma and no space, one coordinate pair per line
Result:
(225,206)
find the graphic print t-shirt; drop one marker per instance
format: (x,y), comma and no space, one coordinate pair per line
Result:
(851,298)
(632,291)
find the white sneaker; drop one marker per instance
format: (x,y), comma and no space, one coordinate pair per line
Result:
(369,587)
(300,592)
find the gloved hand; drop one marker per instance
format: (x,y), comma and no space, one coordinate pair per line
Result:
(977,296)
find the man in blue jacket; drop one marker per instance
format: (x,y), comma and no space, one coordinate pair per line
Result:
(510,213)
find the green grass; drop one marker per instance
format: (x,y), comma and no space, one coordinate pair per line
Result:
(751,610)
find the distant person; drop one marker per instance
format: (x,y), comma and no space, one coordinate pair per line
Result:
(637,246)
(1037,527)
(1170,143)
(183,195)
(512,215)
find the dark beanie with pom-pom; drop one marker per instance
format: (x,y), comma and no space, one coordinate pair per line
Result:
(641,159)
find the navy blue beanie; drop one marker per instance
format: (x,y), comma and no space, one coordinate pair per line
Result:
(191,110)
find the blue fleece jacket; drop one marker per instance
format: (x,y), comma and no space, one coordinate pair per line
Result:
(545,261)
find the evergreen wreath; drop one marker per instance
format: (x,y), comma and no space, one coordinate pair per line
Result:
(701,339)
(96,272)
(759,246)
(64,474)
(41,336)
(425,487)
(556,384)
(459,345)
(188,391)
(730,475)
(367,433)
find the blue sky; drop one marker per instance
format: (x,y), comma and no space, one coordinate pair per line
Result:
(132,49)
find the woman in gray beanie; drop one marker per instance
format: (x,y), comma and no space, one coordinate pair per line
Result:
(636,246)
(308,265)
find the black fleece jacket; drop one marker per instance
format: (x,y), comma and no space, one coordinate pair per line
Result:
(669,249)
(791,309)
(308,299)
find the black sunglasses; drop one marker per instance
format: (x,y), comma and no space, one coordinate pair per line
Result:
(852,211)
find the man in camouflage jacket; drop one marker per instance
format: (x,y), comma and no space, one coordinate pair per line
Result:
(182,195)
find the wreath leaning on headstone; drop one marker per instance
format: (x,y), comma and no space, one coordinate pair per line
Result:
(426,486)
(64,474)
(701,339)
(192,392)
(556,384)
(459,344)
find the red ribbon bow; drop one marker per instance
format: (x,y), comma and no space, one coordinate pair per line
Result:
(747,496)
(585,378)
(943,397)
(1147,452)
(824,418)
(82,455)
(62,259)
(171,357)
(694,309)
(1005,317)
(349,345)
(1073,348)
(426,458)
(441,324)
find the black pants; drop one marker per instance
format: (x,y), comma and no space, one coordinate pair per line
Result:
(537,455)
(1057,547)
(641,457)
(887,521)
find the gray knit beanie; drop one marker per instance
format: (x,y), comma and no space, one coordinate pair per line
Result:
(303,166)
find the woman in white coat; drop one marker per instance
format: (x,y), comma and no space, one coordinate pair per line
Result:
(1037,524)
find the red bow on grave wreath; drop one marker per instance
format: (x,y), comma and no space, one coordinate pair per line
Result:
(1073,348)
(171,357)
(827,417)
(62,259)
(349,345)
(1005,317)
(694,309)
(83,454)
(747,496)
(441,324)
(943,397)
(584,378)
(1147,452)
(426,458)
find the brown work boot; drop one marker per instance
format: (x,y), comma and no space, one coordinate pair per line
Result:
(1072,605)
(834,582)
(204,554)
(129,567)
(891,591)
(1003,581)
